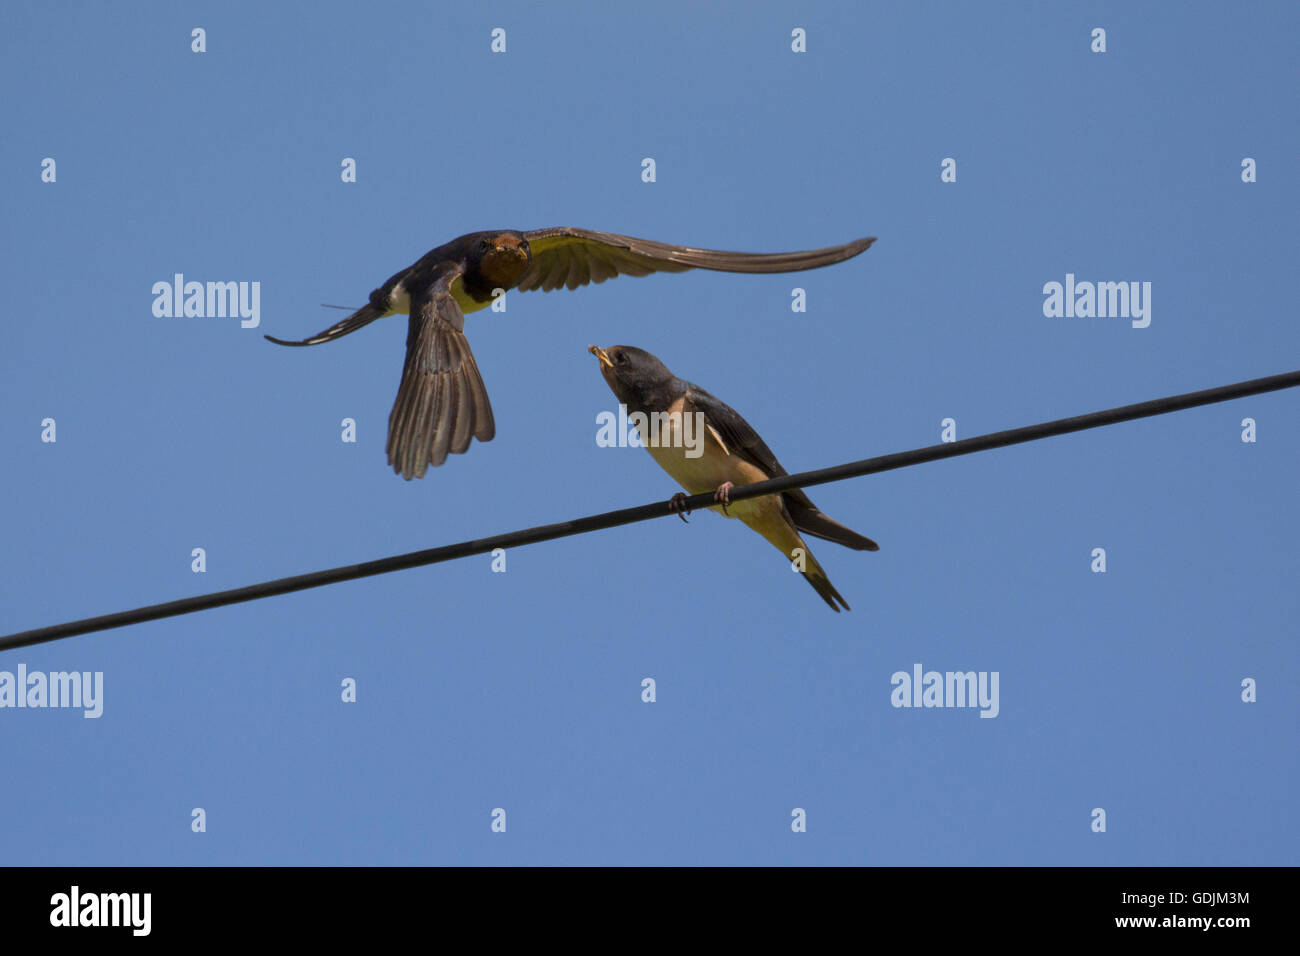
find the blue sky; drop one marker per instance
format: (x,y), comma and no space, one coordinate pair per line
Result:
(522,690)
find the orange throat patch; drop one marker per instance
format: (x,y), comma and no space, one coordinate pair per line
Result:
(505,267)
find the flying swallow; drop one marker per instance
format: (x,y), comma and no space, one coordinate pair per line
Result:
(441,402)
(723,453)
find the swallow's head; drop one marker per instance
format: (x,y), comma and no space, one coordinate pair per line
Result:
(631,373)
(502,257)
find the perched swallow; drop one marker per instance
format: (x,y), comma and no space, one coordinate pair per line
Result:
(442,402)
(725,453)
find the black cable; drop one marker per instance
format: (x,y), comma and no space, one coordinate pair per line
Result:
(612,519)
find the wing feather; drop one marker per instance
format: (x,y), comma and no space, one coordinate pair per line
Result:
(362,317)
(441,402)
(739,438)
(565,256)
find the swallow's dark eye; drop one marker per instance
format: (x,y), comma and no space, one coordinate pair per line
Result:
(620,358)
(483,244)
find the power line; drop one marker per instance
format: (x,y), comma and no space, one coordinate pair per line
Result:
(657,509)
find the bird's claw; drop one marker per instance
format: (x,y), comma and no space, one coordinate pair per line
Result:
(677,505)
(723,496)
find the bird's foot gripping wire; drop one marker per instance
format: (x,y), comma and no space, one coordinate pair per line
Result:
(723,496)
(678,506)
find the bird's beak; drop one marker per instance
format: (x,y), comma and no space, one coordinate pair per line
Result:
(510,246)
(600,354)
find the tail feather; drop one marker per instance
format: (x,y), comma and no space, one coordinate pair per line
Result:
(781,534)
(816,576)
(363,316)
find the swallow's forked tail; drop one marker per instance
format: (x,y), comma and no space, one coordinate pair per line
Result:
(781,534)
(815,575)
(363,316)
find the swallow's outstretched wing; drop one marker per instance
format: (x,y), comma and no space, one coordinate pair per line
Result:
(442,402)
(564,256)
(739,438)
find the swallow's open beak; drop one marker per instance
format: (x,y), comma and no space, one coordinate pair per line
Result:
(600,354)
